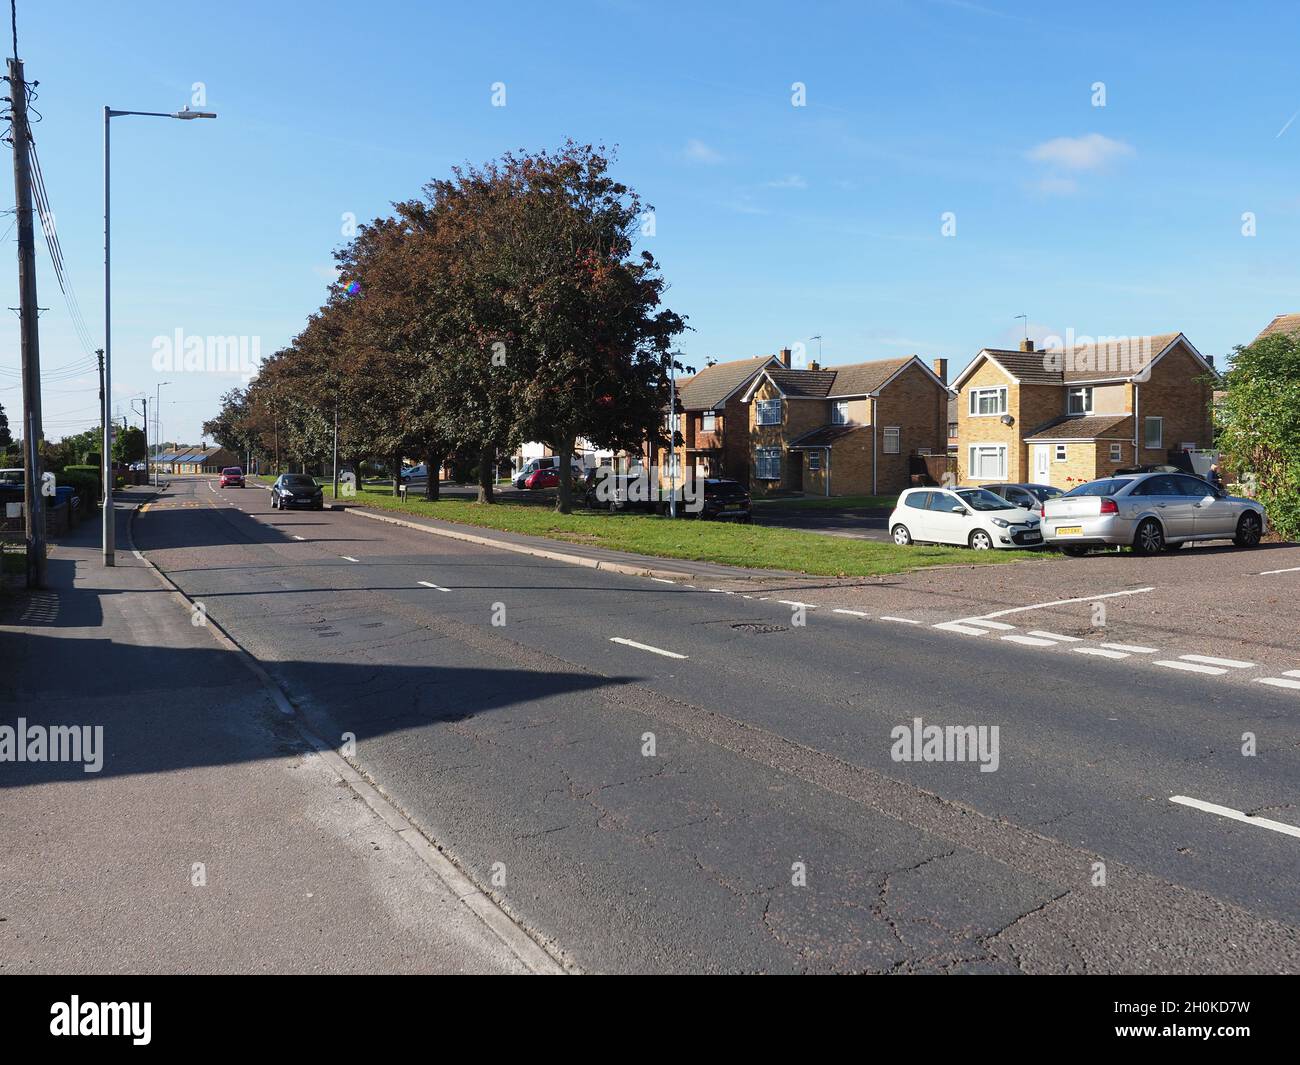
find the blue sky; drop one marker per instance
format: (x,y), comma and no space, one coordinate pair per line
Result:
(773,222)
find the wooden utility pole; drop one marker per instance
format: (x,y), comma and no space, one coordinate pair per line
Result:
(33,500)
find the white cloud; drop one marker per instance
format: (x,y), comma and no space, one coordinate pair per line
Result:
(699,152)
(1053,185)
(1090,152)
(793,181)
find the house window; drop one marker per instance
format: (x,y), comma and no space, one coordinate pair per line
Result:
(1060,452)
(675,423)
(768,412)
(988,461)
(840,412)
(767,463)
(891,441)
(1080,400)
(814,461)
(1153,432)
(988,401)
(1116,452)
(708,422)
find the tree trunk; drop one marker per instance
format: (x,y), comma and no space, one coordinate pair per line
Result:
(397,473)
(564,498)
(432,480)
(487,473)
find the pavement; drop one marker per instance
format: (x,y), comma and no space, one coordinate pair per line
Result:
(656,775)
(213,837)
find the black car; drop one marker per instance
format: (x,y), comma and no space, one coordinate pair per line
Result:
(296,490)
(724,500)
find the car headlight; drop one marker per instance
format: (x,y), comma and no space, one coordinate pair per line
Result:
(1001,524)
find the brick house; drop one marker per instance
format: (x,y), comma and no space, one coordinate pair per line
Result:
(844,430)
(1282,324)
(714,419)
(1061,417)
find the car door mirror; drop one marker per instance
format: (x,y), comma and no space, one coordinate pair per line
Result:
(959,509)
(1210,498)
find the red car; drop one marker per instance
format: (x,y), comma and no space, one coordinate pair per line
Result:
(542,479)
(232,477)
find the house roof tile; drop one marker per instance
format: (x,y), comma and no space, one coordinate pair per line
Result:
(1283,323)
(825,435)
(1091,427)
(715,383)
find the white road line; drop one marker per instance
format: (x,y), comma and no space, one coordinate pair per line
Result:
(1191,667)
(1292,673)
(1055,602)
(350,558)
(1032,641)
(1132,648)
(854,613)
(645,647)
(1279,682)
(904,621)
(1055,636)
(430,584)
(661,580)
(1270,572)
(715,589)
(792,602)
(1100,652)
(965,630)
(1236,815)
(1231,663)
(296,536)
(989,624)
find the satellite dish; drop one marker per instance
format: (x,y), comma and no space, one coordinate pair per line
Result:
(1006,419)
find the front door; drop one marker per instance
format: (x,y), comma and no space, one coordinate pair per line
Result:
(1042,463)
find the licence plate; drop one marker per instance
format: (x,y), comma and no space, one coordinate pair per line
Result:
(1032,538)
(1069,530)
(734,506)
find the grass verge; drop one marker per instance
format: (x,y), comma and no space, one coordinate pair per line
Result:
(750,546)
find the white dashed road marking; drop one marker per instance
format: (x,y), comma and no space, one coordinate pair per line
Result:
(1191,667)
(1279,682)
(1032,641)
(430,584)
(1230,663)
(1270,572)
(904,621)
(297,537)
(1100,652)
(792,602)
(1055,636)
(1236,815)
(662,580)
(350,558)
(965,630)
(1132,648)
(854,613)
(645,647)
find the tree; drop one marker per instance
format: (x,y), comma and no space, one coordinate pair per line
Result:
(6,438)
(129,445)
(1259,422)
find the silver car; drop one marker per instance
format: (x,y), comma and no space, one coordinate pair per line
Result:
(1150,512)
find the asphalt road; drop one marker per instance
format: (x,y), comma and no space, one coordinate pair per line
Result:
(771,829)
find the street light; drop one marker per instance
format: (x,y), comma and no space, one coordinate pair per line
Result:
(157,424)
(107,457)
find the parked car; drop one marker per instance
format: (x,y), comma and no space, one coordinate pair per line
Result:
(545,462)
(232,477)
(726,500)
(1150,512)
(1151,467)
(296,490)
(1029,496)
(544,478)
(606,489)
(972,517)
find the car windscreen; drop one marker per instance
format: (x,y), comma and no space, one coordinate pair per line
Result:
(724,490)
(233,471)
(1107,487)
(298,481)
(1045,493)
(979,499)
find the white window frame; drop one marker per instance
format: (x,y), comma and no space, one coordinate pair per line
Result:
(709,422)
(814,461)
(766,407)
(897,440)
(840,412)
(1061,452)
(766,460)
(1086,406)
(1000,450)
(1159,424)
(1116,452)
(976,394)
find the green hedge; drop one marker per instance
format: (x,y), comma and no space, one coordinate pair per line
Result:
(86,483)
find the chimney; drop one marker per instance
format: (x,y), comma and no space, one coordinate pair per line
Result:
(941,370)
(1210,360)
(814,365)
(1026,345)
(785,358)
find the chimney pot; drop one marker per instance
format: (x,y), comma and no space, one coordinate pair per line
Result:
(785,358)
(814,365)
(1026,345)
(941,370)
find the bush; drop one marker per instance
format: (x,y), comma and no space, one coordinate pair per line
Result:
(86,483)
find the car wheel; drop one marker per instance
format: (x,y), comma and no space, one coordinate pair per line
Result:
(274,504)
(1150,538)
(980,540)
(902,537)
(1249,531)
(1075,550)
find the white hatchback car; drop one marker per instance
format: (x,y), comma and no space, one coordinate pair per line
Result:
(972,517)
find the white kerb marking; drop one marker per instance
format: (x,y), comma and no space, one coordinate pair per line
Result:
(1230,663)
(1279,682)
(1236,815)
(1032,641)
(1055,636)
(853,613)
(645,647)
(1100,652)
(430,584)
(1191,667)
(1132,648)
